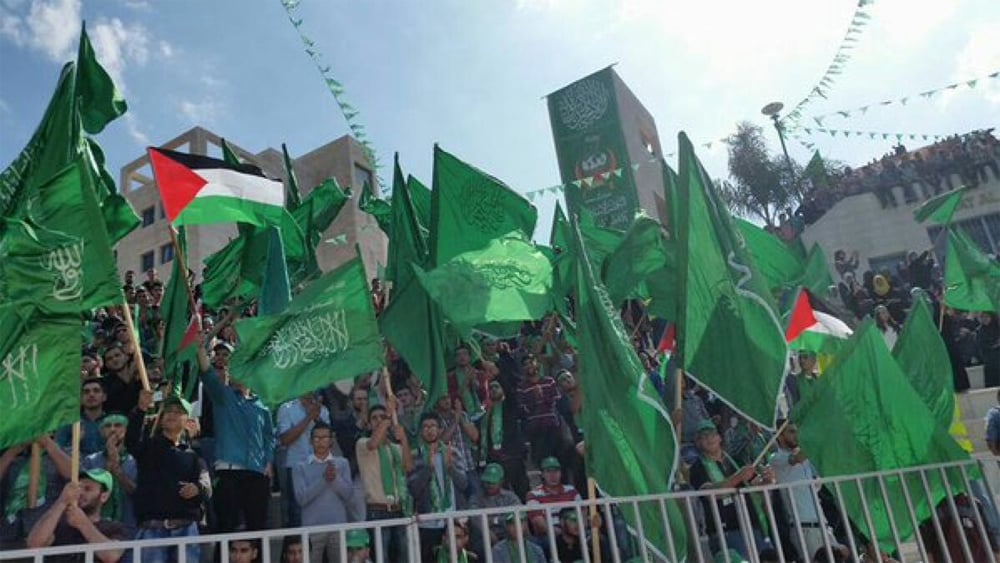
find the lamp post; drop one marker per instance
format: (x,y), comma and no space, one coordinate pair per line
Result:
(773,110)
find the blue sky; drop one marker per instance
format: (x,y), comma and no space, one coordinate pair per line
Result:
(471,75)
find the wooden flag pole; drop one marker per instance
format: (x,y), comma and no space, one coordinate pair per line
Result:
(136,350)
(771,442)
(387,383)
(74,460)
(179,256)
(595,535)
(35,469)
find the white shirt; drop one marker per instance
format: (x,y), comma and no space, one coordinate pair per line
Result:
(313,459)
(290,414)
(803,495)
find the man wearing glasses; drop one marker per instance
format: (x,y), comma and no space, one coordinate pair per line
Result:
(323,488)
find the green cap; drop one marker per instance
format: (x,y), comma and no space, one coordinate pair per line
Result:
(357,539)
(729,556)
(551,462)
(706,426)
(512,517)
(100,476)
(493,474)
(114,418)
(175,400)
(568,513)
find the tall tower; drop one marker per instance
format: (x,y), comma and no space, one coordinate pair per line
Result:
(607,144)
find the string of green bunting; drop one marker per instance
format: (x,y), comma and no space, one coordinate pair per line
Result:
(350,113)
(872,135)
(840,59)
(927,95)
(589,180)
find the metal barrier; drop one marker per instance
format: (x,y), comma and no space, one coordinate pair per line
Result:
(896,506)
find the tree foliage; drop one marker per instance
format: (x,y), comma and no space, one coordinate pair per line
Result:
(760,184)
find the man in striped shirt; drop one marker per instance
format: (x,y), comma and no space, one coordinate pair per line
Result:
(538,397)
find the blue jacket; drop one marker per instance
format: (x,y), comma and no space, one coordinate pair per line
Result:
(244,434)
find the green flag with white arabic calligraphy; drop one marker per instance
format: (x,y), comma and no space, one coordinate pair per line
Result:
(725,303)
(470,208)
(39,371)
(508,280)
(326,334)
(631,446)
(35,266)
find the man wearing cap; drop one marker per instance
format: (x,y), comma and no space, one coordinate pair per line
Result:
(572,539)
(494,496)
(323,489)
(715,469)
(434,481)
(75,518)
(116,460)
(552,490)
(244,446)
(173,484)
(358,550)
(791,465)
(296,419)
(509,550)
(92,399)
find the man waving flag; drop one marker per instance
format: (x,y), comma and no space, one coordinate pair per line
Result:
(199,190)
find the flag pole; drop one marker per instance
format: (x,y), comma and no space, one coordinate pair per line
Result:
(136,351)
(595,534)
(74,460)
(35,469)
(179,256)
(771,442)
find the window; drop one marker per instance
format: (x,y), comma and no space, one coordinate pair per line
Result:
(984,230)
(362,176)
(148,261)
(888,262)
(166,253)
(148,216)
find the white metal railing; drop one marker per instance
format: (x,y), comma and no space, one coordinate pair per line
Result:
(631,525)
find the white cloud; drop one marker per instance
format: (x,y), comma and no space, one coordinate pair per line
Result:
(51,27)
(166,49)
(980,57)
(201,112)
(119,45)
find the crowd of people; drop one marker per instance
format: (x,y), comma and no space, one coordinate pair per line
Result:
(505,433)
(959,160)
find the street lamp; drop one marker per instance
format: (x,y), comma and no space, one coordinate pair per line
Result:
(773,110)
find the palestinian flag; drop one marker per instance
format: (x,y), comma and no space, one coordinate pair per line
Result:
(199,190)
(813,326)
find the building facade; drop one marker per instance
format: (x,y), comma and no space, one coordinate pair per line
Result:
(149,246)
(608,150)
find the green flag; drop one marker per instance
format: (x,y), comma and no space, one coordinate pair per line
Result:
(470,208)
(176,310)
(229,156)
(564,262)
(420,196)
(727,317)
(327,333)
(881,424)
(100,100)
(67,203)
(940,208)
(275,292)
(34,267)
(414,325)
(119,217)
(779,264)
(380,209)
(815,171)
(39,371)
(52,147)
(292,197)
(408,243)
(971,279)
(924,359)
(642,252)
(815,272)
(631,446)
(508,280)
(325,201)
